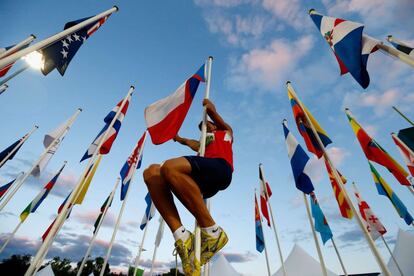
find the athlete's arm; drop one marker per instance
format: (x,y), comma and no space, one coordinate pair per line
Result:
(217,119)
(193,144)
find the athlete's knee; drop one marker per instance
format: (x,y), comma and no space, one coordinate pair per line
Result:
(151,172)
(168,170)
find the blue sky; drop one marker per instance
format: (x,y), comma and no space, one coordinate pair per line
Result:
(257,46)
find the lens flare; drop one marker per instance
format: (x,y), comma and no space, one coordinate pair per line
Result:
(34,59)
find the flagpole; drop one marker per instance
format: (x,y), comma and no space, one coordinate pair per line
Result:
(339,257)
(55,142)
(395,53)
(264,241)
(157,243)
(28,40)
(3,82)
(273,220)
(121,211)
(368,237)
(153,260)
(315,237)
(140,248)
(392,256)
(73,196)
(3,88)
(54,38)
(111,196)
(402,115)
(197,232)
(11,236)
(25,137)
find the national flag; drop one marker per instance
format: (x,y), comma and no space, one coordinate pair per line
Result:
(149,212)
(321,224)
(406,153)
(344,207)
(59,54)
(87,180)
(108,202)
(140,272)
(128,170)
(299,161)
(160,232)
(401,46)
(32,207)
(374,152)
(5,188)
(406,135)
(372,222)
(165,117)
(385,190)
(348,43)
(260,244)
(9,149)
(263,198)
(304,126)
(5,69)
(113,132)
(46,233)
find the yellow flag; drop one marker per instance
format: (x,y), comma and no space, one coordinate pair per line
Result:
(87,181)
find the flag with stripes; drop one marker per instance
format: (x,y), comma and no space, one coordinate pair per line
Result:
(9,149)
(406,152)
(149,212)
(263,198)
(260,244)
(105,205)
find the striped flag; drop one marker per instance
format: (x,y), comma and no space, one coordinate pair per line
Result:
(344,207)
(32,207)
(385,190)
(149,212)
(260,244)
(348,43)
(128,170)
(372,222)
(5,188)
(374,152)
(108,202)
(406,153)
(165,117)
(299,161)
(304,126)
(9,149)
(321,224)
(263,199)
(113,132)
(87,180)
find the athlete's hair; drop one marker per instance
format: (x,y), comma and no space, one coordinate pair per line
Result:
(201,123)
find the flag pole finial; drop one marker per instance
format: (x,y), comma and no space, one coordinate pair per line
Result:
(288,82)
(32,35)
(210,57)
(312,11)
(133,87)
(36,126)
(80,109)
(116,7)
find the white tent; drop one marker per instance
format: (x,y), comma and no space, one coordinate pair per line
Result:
(403,252)
(46,271)
(300,263)
(219,266)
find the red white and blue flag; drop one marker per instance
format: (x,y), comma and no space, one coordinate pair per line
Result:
(59,54)
(149,212)
(263,198)
(5,69)
(165,117)
(350,46)
(113,132)
(128,170)
(5,188)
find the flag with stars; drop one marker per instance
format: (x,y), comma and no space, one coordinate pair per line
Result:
(59,54)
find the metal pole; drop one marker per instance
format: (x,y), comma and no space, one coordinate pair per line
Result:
(3,82)
(398,54)
(273,221)
(25,137)
(368,237)
(111,196)
(73,196)
(140,248)
(392,256)
(41,44)
(315,237)
(18,46)
(3,88)
(11,236)
(402,115)
(16,186)
(339,257)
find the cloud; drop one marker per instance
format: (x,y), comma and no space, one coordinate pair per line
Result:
(264,68)
(289,11)
(222,3)
(233,257)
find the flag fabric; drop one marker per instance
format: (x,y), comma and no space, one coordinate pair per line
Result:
(165,117)
(140,272)
(304,126)
(374,152)
(5,69)
(344,207)
(372,222)
(406,135)
(321,224)
(35,203)
(113,132)
(108,202)
(385,190)
(5,188)
(87,180)
(298,160)
(260,245)
(59,54)
(406,153)
(263,199)
(59,211)
(348,43)
(128,170)
(160,232)
(149,212)
(403,48)
(9,149)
